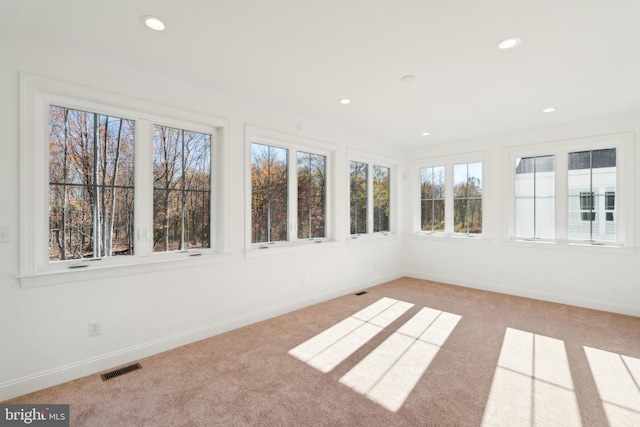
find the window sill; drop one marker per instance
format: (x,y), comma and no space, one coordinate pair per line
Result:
(141,266)
(258,251)
(571,246)
(448,237)
(356,239)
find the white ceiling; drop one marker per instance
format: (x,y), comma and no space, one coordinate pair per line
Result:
(302,56)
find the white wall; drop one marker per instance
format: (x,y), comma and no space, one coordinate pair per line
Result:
(43,330)
(600,278)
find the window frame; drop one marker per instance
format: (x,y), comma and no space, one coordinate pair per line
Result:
(37,94)
(448,162)
(293,144)
(624,195)
(372,160)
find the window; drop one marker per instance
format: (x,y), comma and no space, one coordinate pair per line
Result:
(122,181)
(312,195)
(576,191)
(467,198)
(181,189)
(370,197)
(358,197)
(535,197)
(432,199)
(288,189)
(449,194)
(91,184)
(269,193)
(381,187)
(591,194)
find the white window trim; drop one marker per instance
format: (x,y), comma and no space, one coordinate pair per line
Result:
(448,162)
(36,95)
(625,195)
(294,144)
(394,196)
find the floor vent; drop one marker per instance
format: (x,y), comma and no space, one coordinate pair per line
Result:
(121,371)
(361,293)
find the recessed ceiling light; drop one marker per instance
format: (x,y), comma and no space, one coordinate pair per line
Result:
(425,134)
(509,43)
(345,101)
(549,110)
(152,22)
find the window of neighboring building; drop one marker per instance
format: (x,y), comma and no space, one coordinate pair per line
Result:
(432,195)
(591,193)
(535,197)
(467,198)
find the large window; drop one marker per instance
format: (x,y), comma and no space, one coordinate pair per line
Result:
(269,193)
(535,197)
(591,192)
(576,191)
(91,184)
(467,198)
(108,178)
(358,197)
(370,197)
(288,190)
(449,195)
(312,195)
(181,189)
(432,199)
(381,193)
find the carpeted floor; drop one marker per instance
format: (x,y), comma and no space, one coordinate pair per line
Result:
(407,353)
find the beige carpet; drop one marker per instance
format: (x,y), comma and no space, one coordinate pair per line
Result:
(407,353)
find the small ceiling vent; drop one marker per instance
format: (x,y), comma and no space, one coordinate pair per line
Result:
(121,371)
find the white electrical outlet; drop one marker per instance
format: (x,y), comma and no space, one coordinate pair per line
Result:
(94,328)
(5,234)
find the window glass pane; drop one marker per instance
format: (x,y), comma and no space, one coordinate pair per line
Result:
(358,197)
(591,189)
(181,189)
(269,193)
(432,198)
(467,198)
(311,195)
(380,199)
(91,179)
(535,192)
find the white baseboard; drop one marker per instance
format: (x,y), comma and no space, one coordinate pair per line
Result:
(527,293)
(72,371)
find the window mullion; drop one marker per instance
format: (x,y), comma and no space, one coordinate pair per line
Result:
(292,196)
(562,195)
(143,208)
(369,198)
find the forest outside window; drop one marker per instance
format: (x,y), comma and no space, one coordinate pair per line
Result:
(181,189)
(288,194)
(108,178)
(91,184)
(370,198)
(467,198)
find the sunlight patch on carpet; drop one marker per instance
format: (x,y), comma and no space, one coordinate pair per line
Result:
(331,347)
(617,378)
(532,384)
(389,373)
